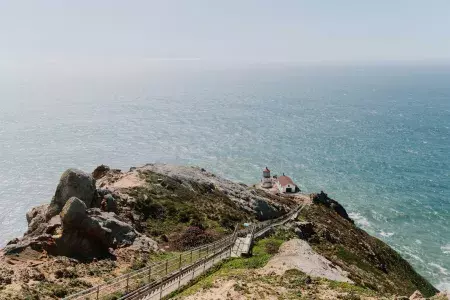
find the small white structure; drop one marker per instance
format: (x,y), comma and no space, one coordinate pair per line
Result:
(286,185)
(266,181)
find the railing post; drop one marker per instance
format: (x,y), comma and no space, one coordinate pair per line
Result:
(167,261)
(98,290)
(160,292)
(191,256)
(149,273)
(128,279)
(207,250)
(180,262)
(204,264)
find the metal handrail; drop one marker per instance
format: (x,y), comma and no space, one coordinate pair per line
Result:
(176,264)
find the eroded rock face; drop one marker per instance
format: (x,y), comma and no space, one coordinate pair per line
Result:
(73,183)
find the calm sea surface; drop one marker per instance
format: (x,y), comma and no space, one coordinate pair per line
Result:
(377,139)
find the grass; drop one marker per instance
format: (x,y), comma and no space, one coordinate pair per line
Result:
(235,267)
(167,207)
(355,259)
(370,262)
(349,288)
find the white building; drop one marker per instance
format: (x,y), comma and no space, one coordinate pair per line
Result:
(286,185)
(266,181)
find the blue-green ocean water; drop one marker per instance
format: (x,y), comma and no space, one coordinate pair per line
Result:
(377,139)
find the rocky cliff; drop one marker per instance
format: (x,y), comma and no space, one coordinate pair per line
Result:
(102,224)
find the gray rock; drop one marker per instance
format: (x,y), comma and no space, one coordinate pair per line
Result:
(144,244)
(89,233)
(36,220)
(73,213)
(35,211)
(264,210)
(73,183)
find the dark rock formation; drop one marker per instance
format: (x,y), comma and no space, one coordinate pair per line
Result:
(304,230)
(323,199)
(73,183)
(100,171)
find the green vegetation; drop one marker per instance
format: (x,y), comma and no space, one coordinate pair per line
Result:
(262,251)
(370,262)
(167,208)
(293,284)
(46,289)
(114,296)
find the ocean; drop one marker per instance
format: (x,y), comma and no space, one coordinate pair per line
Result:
(375,138)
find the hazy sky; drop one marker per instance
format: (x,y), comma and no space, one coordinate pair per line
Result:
(47,31)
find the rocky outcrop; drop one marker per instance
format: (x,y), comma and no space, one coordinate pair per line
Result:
(246,198)
(70,226)
(73,183)
(100,171)
(179,207)
(88,233)
(323,199)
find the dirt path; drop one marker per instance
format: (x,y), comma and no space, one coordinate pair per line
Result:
(298,254)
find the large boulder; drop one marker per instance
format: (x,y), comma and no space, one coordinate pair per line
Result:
(73,213)
(91,233)
(73,183)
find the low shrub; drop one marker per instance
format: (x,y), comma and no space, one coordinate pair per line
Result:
(193,236)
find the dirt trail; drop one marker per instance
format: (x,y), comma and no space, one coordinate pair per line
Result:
(298,254)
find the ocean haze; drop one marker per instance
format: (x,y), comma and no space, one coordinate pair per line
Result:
(375,138)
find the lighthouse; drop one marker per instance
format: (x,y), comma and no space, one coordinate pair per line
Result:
(266,181)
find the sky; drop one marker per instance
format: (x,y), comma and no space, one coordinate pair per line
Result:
(86,32)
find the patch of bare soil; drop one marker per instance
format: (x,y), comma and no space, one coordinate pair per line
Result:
(298,254)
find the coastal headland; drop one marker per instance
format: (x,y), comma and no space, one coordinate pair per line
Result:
(104,224)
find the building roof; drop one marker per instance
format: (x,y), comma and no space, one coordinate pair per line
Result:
(285,180)
(266,170)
